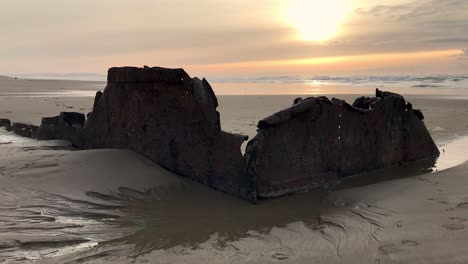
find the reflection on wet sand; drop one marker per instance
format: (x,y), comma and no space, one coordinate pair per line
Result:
(191,215)
(164,224)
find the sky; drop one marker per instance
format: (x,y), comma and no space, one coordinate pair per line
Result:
(219,38)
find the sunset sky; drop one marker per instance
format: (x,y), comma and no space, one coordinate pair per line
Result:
(236,38)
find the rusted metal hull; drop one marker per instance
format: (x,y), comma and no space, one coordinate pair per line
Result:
(171,118)
(318,141)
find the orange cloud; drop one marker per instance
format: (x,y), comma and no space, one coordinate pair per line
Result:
(323,65)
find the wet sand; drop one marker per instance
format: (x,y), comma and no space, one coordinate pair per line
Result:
(113,205)
(63,206)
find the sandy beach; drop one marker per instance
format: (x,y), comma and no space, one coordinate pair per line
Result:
(60,205)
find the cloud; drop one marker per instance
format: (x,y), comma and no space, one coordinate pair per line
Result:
(449,40)
(421,24)
(174,33)
(463,55)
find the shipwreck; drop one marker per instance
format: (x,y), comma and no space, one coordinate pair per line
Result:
(171,119)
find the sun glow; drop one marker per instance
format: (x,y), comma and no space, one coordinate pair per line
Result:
(317,20)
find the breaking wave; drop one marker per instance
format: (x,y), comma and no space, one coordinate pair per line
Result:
(449,81)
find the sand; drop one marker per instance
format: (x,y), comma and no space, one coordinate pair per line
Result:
(101,206)
(28,101)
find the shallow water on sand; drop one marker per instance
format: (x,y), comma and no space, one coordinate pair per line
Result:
(58,205)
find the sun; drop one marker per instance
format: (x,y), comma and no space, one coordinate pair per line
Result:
(317,20)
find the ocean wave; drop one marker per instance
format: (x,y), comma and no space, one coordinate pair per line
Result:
(452,81)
